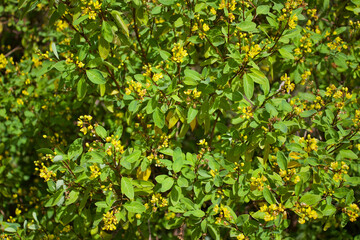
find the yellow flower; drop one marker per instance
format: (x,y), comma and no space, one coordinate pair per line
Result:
(157,77)
(3,61)
(20,101)
(95,171)
(109,221)
(178,53)
(206,27)
(80,64)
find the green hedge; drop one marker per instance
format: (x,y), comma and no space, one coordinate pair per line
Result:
(188,119)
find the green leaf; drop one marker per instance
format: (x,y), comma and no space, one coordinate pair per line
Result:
(260,78)
(281,160)
(269,197)
(281,126)
(271,109)
(308,113)
(159,118)
(214,231)
(164,54)
(285,54)
(262,9)
(120,22)
(192,77)
(328,210)
(349,197)
(73,196)
(191,114)
(104,48)
(127,187)
(135,207)
(44,151)
(75,149)
(100,131)
(80,19)
(167,2)
(195,213)
(56,198)
(102,89)
(81,89)
(106,32)
(310,199)
(247,26)
(167,184)
(346,153)
(178,160)
(248,86)
(53,47)
(133,157)
(95,76)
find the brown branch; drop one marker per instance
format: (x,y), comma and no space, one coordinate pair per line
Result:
(213,129)
(216,49)
(137,35)
(13,50)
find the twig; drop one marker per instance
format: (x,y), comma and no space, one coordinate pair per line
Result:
(137,35)
(213,129)
(13,50)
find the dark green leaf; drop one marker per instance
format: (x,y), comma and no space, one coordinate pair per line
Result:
(95,76)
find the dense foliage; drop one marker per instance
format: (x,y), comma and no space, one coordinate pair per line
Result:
(189,119)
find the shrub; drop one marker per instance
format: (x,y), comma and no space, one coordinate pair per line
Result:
(180,119)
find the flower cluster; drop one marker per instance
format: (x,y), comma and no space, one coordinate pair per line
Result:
(288,175)
(37,61)
(337,44)
(224,214)
(45,173)
(179,53)
(352,211)
(304,47)
(148,70)
(272,211)
(61,25)
(241,236)
(3,61)
(310,143)
(239,166)
(157,76)
(257,183)
(305,76)
(79,63)
(41,167)
(95,171)
(170,215)
(115,146)
(164,141)
(287,83)
(247,112)
(293,21)
(193,93)
(305,212)
(354,26)
(137,88)
(339,170)
(356,119)
(254,50)
(158,201)
(110,221)
(91,8)
(84,124)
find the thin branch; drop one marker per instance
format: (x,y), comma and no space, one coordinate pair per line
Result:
(137,35)
(13,50)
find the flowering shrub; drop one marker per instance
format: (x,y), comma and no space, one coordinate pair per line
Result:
(179,119)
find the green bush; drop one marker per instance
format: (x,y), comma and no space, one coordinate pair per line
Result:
(181,119)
